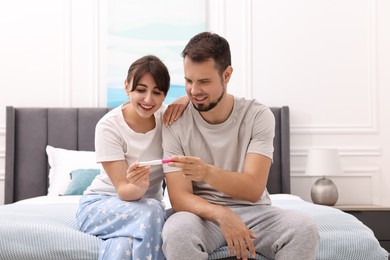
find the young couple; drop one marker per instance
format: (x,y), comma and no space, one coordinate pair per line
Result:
(222,148)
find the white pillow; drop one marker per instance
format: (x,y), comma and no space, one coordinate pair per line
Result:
(62,162)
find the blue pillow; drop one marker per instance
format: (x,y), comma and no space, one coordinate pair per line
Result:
(81,179)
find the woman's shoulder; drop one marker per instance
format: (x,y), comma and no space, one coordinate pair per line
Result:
(114,116)
(160,113)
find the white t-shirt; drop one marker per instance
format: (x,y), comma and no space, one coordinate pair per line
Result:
(250,128)
(115,140)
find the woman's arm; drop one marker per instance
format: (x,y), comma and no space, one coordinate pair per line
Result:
(131,182)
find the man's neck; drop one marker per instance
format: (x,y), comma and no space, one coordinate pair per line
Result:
(221,112)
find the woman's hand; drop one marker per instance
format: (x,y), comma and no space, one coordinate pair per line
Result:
(138,176)
(131,182)
(175,109)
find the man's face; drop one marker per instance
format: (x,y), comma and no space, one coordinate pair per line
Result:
(204,85)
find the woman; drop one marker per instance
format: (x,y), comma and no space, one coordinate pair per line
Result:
(123,205)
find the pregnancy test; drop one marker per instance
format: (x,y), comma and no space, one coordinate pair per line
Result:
(155,162)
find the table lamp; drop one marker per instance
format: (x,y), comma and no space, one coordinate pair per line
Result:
(323,162)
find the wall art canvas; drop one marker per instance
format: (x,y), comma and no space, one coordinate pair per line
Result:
(136,28)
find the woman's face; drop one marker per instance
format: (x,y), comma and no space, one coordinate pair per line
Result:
(146,98)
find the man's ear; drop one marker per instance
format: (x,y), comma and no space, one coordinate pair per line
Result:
(227,74)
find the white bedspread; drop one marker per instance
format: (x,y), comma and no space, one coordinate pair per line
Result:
(45,228)
(44,231)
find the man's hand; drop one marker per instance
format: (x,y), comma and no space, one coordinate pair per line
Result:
(237,235)
(193,168)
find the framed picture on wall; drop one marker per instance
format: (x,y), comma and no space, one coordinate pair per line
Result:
(137,28)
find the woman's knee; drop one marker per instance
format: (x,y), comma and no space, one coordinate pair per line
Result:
(154,208)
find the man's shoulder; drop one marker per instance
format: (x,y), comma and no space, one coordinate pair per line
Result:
(251,105)
(185,117)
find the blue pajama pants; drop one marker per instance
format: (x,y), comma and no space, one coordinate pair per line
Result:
(130,230)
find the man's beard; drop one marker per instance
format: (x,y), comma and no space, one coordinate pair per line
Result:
(205,108)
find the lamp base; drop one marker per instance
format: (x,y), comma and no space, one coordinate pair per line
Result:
(324,192)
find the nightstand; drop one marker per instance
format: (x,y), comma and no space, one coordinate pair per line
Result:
(376,217)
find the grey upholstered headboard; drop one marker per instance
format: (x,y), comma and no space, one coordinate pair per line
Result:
(29,130)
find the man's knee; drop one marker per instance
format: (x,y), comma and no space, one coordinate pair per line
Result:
(178,224)
(307,230)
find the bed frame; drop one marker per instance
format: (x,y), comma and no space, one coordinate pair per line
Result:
(29,130)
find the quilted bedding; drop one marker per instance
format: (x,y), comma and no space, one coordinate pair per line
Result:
(43,232)
(49,231)
(343,237)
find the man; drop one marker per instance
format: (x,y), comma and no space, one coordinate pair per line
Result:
(222,148)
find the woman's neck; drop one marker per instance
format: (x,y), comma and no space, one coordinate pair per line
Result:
(136,123)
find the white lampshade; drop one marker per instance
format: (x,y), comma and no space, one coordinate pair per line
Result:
(323,161)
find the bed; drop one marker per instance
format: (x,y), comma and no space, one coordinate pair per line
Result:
(46,147)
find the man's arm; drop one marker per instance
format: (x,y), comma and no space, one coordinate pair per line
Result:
(182,197)
(247,185)
(236,233)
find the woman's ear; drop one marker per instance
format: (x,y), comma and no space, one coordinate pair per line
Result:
(127,87)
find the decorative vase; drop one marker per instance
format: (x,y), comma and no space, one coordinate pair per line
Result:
(324,192)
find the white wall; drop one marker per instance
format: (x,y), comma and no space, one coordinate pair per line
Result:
(49,56)
(328,60)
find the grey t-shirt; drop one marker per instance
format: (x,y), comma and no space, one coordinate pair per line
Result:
(115,140)
(250,128)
